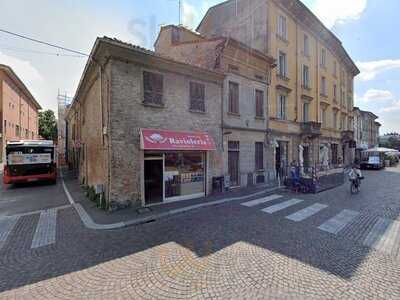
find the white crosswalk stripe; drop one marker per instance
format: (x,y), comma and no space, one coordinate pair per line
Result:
(6,226)
(337,223)
(45,233)
(278,207)
(261,200)
(307,212)
(384,236)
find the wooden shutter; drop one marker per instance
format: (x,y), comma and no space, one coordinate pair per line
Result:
(259,103)
(153,88)
(197,95)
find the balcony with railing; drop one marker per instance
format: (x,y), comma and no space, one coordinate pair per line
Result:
(311,128)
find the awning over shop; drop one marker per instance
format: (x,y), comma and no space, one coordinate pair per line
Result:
(155,139)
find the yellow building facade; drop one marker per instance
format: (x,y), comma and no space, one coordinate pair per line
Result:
(310,103)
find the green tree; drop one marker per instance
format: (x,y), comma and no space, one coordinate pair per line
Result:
(48,125)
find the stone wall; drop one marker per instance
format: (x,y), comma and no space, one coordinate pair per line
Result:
(128,114)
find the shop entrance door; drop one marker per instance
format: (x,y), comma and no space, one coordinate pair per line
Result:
(153,180)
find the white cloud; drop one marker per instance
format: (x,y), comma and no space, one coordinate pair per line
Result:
(376,95)
(338,11)
(371,69)
(189,15)
(394,107)
(23,68)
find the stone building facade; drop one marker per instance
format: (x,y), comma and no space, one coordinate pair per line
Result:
(126,92)
(247,157)
(18,110)
(311,90)
(366,129)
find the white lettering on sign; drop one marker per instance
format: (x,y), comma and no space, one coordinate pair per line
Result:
(189,141)
(26,159)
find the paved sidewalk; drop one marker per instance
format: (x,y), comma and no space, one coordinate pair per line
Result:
(96,218)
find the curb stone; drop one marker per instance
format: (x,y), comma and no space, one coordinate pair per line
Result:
(90,224)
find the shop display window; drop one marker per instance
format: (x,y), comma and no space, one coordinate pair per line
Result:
(184,174)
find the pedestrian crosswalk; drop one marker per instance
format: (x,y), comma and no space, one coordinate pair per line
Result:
(338,222)
(278,207)
(44,232)
(6,226)
(307,212)
(384,236)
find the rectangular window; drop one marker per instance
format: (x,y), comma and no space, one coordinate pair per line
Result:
(282,64)
(17,130)
(233,97)
(306,77)
(282,99)
(335,92)
(282,27)
(259,156)
(153,88)
(306,111)
(335,68)
(335,116)
(323,58)
(187,171)
(306,45)
(343,123)
(197,95)
(323,117)
(349,102)
(5,127)
(323,86)
(342,98)
(259,104)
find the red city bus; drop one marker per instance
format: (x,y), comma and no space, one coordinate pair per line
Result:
(28,161)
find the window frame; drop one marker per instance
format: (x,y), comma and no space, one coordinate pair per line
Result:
(196,99)
(233,103)
(282,69)
(282,28)
(259,106)
(323,58)
(306,116)
(282,109)
(154,93)
(306,83)
(259,156)
(306,45)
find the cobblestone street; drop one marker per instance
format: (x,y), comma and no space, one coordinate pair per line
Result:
(324,246)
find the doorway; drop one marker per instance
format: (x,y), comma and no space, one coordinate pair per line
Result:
(281,159)
(233,163)
(153,180)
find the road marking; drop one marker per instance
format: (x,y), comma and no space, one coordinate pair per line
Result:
(307,212)
(384,236)
(6,226)
(45,230)
(36,212)
(274,208)
(261,200)
(338,222)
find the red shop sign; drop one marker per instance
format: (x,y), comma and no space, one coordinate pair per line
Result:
(155,139)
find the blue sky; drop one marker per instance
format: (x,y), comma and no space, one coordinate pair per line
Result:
(367,28)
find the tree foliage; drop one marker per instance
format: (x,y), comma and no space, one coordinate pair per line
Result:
(48,125)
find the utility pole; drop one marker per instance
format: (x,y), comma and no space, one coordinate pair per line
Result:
(180,12)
